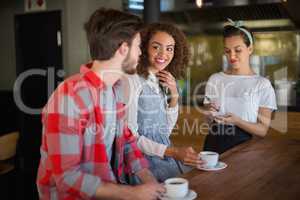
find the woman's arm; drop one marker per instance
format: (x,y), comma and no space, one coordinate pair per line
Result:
(187,155)
(167,80)
(260,128)
(174,99)
(151,148)
(172,116)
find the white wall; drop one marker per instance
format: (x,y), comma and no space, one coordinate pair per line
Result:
(75,48)
(75,39)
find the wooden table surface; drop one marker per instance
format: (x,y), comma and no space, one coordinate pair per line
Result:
(264,169)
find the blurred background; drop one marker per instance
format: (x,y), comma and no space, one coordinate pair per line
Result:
(43,41)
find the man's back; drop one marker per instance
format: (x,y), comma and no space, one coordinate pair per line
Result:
(72,136)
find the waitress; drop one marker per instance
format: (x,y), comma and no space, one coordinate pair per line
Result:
(239,102)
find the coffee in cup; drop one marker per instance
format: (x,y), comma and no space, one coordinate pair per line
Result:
(210,157)
(176,187)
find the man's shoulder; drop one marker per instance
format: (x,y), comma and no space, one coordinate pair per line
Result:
(73,84)
(69,90)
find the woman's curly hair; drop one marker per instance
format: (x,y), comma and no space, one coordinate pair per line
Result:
(181,52)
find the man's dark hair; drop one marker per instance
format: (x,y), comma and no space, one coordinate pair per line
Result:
(230,31)
(107,29)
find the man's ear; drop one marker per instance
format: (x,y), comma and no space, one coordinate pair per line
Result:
(123,49)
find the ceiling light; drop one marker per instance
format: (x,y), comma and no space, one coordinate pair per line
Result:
(199,3)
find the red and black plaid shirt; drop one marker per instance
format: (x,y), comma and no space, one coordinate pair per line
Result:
(74,161)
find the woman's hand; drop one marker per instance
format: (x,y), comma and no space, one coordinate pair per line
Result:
(187,155)
(168,80)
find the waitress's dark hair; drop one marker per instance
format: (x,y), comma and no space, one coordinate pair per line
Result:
(230,31)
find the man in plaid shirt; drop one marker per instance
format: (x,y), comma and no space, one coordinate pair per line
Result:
(87,150)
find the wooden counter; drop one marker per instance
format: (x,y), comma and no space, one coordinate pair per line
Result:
(265,169)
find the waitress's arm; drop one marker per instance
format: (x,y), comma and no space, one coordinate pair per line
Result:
(260,128)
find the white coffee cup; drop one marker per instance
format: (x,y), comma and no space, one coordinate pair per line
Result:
(210,157)
(176,187)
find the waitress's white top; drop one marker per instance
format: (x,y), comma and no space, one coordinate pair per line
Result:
(241,95)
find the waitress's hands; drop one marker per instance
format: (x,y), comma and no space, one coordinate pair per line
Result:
(211,109)
(167,80)
(228,118)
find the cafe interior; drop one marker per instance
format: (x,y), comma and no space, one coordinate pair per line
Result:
(43,42)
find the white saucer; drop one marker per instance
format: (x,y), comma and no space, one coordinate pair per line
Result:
(190,196)
(219,166)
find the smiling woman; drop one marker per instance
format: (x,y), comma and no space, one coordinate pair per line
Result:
(153,102)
